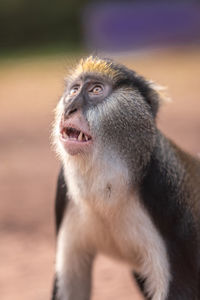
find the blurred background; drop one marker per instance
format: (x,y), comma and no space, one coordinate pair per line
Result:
(39,41)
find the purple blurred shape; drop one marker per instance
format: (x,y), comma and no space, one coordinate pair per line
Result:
(124,26)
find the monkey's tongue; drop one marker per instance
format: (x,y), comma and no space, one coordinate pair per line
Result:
(71,133)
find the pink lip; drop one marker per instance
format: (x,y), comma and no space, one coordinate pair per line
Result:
(71,143)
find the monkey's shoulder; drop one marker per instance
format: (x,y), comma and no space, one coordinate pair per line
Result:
(171,190)
(173,169)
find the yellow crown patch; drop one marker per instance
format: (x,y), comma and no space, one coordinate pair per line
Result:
(96,65)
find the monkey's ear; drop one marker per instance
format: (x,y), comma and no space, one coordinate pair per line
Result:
(160,90)
(156,95)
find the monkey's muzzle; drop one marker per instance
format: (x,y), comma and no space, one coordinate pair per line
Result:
(75,134)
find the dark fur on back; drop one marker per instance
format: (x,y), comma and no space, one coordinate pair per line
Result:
(166,193)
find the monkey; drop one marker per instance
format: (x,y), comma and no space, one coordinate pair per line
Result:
(124,189)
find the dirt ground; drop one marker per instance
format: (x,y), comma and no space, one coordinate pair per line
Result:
(29,90)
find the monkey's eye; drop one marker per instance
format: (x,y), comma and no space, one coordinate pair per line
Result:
(74,90)
(96,89)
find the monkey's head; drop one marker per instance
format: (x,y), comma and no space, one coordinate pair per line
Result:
(107,108)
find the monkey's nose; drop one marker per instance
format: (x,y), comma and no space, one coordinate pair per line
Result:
(74,106)
(69,111)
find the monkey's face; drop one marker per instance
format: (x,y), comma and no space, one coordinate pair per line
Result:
(80,97)
(104,108)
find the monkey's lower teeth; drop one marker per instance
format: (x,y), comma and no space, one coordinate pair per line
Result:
(75,135)
(65,136)
(80,137)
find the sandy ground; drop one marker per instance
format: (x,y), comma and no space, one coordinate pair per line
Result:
(29,90)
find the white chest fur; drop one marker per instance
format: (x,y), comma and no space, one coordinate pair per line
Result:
(110,218)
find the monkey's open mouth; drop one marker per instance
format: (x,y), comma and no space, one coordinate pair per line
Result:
(73,134)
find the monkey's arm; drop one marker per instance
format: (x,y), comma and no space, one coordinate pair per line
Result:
(61,199)
(60,206)
(73,262)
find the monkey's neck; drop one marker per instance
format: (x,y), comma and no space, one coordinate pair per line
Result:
(101,178)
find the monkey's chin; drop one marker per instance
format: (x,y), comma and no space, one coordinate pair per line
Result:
(74,147)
